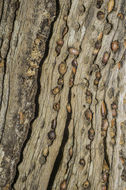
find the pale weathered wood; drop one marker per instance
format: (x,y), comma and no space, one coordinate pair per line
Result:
(86,149)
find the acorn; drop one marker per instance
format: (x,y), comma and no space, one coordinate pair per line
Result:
(60,81)
(51,135)
(100,15)
(60,42)
(82,162)
(63,185)
(111,4)
(98,75)
(86,184)
(56,90)
(103,109)
(74,70)
(88,147)
(100,36)
(105,58)
(58,49)
(96,82)
(120,16)
(114,105)
(91,134)
(65,17)
(73,51)
(114,113)
(88,114)
(71,151)
(56,106)
(54,123)
(45,152)
(89,99)
(105,124)
(68,108)
(99,3)
(62,68)
(74,63)
(113,122)
(115,46)
(71,81)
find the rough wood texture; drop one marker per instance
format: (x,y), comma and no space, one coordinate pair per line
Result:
(24,30)
(78,134)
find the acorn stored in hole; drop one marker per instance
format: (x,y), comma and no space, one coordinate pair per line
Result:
(82,162)
(120,16)
(105,58)
(111,4)
(60,42)
(56,106)
(58,49)
(63,185)
(45,152)
(105,124)
(74,63)
(115,46)
(68,108)
(73,51)
(103,109)
(96,82)
(74,70)
(51,135)
(88,114)
(91,133)
(114,113)
(98,75)
(56,90)
(100,15)
(62,68)
(86,184)
(60,81)
(71,151)
(99,3)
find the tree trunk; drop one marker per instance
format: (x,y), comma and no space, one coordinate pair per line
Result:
(62,95)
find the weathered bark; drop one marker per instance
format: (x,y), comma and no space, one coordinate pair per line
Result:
(77,124)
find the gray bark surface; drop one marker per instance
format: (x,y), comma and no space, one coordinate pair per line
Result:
(63,95)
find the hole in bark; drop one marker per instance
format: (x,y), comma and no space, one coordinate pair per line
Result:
(37,94)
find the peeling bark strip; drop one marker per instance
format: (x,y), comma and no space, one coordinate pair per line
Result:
(77,139)
(24,30)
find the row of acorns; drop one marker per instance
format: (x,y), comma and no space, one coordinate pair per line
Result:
(111,4)
(113,123)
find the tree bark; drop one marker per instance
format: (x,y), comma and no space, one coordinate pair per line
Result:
(62,95)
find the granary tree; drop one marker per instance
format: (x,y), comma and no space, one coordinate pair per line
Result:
(62,95)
